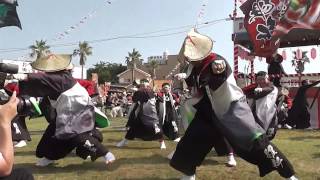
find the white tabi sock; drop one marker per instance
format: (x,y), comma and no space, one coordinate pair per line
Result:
(109,158)
(193,177)
(122,143)
(292,178)
(162,145)
(231,161)
(44,162)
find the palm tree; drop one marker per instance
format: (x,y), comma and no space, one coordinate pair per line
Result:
(154,65)
(39,49)
(132,60)
(83,51)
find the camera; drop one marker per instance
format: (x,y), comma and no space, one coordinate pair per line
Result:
(7,69)
(27,106)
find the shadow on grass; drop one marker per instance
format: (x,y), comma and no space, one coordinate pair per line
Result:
(137,148)
(130,145)
(109,140)
(316,155)
(33,153)
(210,162)
(114,130)
(25,153)
(149,178)
(93,166)
(303,138)
(72,168)
(154,159)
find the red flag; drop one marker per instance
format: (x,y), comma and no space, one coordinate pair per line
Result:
(268,20)
(300,14)
(261,17)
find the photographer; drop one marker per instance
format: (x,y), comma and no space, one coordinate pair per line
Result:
(7,112)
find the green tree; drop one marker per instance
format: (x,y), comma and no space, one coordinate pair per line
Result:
(39,49)
(106,71)
(83,51)
(132,60)
(154,65)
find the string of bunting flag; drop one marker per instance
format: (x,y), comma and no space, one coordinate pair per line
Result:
(74,27)
(200,16)
(202,12)
(69,30)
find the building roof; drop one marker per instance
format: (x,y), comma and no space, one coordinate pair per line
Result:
(137,70)
(164,69)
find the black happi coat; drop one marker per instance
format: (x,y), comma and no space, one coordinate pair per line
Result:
(50,86)
(264,109)
(299,115)
(223,113)
(168,117)
(143,121)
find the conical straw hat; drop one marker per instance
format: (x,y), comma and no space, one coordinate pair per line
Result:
(197,46)
(52,62)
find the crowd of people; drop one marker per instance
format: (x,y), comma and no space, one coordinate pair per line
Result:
(212,113)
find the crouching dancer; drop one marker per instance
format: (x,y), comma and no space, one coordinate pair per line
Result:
(222,111)
(68,109)
(143,121)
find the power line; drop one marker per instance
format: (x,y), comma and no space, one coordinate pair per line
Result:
(132,36)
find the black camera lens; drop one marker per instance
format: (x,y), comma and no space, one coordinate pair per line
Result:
(28,106)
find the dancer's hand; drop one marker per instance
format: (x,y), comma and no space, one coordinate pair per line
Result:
(218,66)
(180,76)
(257,90)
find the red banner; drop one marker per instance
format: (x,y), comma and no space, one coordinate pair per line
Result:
(268,20)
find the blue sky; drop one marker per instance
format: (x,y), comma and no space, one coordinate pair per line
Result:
(43,19)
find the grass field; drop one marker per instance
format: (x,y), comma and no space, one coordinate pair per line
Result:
(144,160)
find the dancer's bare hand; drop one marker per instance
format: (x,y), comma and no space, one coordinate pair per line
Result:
(218,66)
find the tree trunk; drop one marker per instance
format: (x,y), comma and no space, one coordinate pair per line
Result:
(133,68)
(81,71)
(82,64)
(153,76)
(132,74)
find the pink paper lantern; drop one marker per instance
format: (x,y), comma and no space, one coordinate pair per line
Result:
(284,55)
(299,54)
(313,53)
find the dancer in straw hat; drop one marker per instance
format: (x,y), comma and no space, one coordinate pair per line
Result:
(222,111)
(143,119)
(69,110)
